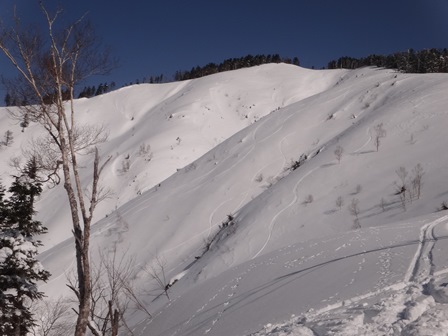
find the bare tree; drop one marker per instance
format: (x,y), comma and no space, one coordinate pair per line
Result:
(383,204)
(53,318)
(113,294)
(7,139)
(417,180)
(338,153)
(353,208)
(156,271)
(402,187)
(380,133)
(49,68)
(339,202)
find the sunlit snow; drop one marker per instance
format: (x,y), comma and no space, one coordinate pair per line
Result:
(292,261)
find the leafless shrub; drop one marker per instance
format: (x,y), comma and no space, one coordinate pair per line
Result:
(157,272)
(259,178)
(380,133)
(417,180)
(125,165)
(144,150)
(113,294)
(338,153)
(339,202)
(383,204)
(308,200)
(443,206)
(7,138)
(53,318)
(270,181)
(353,208)
(402,187)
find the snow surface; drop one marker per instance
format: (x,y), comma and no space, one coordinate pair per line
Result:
(222,145)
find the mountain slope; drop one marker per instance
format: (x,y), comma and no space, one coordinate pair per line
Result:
(283,252)
(156,129)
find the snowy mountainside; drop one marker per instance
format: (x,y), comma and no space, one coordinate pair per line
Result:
(283,252)
(154,130)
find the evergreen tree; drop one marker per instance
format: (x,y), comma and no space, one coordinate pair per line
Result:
(8,100)
(19,269)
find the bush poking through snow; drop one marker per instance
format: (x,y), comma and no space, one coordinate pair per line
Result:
(339,202)
(224,230)
(308,200)
(383,204)
(338,153)
(443,206)
(125,165)
(353,208)
(7,139)
(380,133)
(293,165)
(157,273)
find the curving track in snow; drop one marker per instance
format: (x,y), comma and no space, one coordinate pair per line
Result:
(422,268)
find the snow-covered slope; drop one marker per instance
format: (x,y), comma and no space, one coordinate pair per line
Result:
(156,129)
(232,138)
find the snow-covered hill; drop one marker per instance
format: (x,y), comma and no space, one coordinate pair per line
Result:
(188,155)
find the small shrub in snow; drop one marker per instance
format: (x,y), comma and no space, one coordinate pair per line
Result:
(293,164)
(401,186)
(338,153)
(7,139)
(144,149)
(339,202)
(417,180)
(353,208)
(125,165)
(308,200)
(380,133)
(270,181)
(443,206)
(259,178)
(383,204)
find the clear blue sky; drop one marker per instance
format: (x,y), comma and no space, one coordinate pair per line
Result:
(153,37)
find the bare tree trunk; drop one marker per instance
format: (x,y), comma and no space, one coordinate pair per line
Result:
(49,69)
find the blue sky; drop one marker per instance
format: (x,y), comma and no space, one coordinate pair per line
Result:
(153,37)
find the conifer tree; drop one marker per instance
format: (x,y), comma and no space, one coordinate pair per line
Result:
(19,269)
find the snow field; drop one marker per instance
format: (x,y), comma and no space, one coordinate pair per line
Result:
(221,146)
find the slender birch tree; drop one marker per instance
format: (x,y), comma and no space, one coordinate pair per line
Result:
(49,67)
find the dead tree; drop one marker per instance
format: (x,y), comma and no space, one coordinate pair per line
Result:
(156,271)
(402,186)
(338,153)
(53,318)
(113,294)
(353,208)
(49,68)
(380,133)
(417,180)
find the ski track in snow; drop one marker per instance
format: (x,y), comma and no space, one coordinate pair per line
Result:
(365,144)
(421,267)
(274,219)
(404,307)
